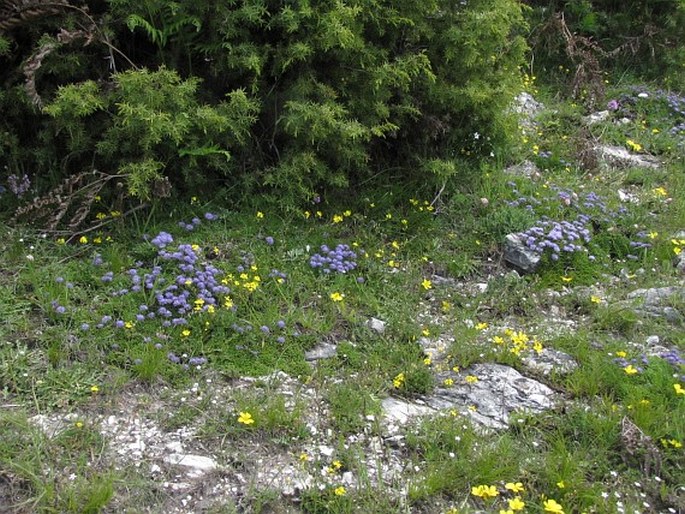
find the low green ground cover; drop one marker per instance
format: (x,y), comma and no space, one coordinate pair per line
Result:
(158,302)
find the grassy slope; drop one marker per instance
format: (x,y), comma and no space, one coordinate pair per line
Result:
(50,362)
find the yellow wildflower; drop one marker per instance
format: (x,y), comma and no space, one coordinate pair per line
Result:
(426,284)
(514,487)
(337,297)
(630,369)
(553,507)
(516,503)
(245,418)
(485,491)
(398,381)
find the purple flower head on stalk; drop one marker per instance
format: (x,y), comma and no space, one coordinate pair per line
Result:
(269,240)
(19,186)
(211,217)
(162,239)
(341,259)
(613,105)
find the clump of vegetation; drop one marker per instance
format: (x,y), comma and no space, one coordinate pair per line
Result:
(284,100)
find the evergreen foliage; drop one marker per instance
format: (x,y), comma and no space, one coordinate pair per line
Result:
(285,98)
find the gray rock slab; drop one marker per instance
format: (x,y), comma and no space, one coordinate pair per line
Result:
(500,390)
(524,169)
(401,411)
(196,464)
(596,117)
(322,351)
(549,360)
(517,254)
(657,296)
(658,302)
(377,325)
(619,157)
(527,108)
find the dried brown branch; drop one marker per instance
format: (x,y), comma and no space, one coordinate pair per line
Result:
(72,199)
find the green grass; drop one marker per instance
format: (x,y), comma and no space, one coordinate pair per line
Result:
(419,258)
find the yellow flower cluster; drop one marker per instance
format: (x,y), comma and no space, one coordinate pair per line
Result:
(678,245)
(339,218)
(517,342)
(635,147)
(398,381)
(249,281)
(484,491)
(421,206)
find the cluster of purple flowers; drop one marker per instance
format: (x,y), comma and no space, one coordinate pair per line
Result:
(527,202)
(279,330)
(278,275)
(196,222)
(162,239)
(202,283)
(675,102)
(59,309)
(638,362)
(559,236)
(280,326)
(195,287)
(675,359)
(19,185)
(640,243)
(341,259)
(186,361)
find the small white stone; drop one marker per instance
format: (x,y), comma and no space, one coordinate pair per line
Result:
(326,451)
